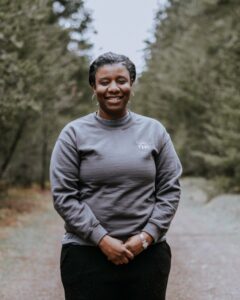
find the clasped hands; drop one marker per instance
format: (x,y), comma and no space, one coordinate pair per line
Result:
(119,252)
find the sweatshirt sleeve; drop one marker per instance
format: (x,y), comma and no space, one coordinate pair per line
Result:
(64,176)
(168,171)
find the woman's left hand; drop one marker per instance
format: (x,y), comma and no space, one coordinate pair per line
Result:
(134,243)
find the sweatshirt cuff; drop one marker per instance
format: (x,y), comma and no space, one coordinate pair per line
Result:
(153,230)
(97,234)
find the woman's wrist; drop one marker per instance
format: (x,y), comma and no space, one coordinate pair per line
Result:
(147,237)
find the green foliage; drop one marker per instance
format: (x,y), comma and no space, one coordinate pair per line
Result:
(191,83)
(42,84)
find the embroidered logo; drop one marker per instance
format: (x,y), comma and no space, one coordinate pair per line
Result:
(143,146)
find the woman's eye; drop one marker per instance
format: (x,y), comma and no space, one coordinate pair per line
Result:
(122,81)
(104,82)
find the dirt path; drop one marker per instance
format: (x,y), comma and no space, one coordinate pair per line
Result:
(29,258)
(205,242)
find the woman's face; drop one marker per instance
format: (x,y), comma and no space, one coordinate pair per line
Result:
(113,90)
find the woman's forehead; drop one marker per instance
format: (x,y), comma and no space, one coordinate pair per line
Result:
(119,68)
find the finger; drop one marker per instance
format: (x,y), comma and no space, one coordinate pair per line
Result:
(118,262)
(129,254)
(131,257)
(124,260)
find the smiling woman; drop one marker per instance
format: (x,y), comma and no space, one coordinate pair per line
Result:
(112,77)
(112,87)
(114,177)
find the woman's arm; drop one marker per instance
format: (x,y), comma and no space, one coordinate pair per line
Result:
(168,171)
(64,175)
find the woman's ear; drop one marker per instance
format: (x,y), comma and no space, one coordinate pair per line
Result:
(94,89)
(94,93)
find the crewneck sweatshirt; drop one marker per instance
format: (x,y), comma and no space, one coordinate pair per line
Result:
(116,177)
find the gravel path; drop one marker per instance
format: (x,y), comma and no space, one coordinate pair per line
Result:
(205,242)
(29,258)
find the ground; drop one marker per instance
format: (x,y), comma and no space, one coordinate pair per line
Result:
(29,253)
(205,241)
(204,238)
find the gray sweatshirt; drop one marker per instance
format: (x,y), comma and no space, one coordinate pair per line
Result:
(117,177)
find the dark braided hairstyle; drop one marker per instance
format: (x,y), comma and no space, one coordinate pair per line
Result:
(110,58)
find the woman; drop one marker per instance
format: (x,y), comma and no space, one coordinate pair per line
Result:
(114,178)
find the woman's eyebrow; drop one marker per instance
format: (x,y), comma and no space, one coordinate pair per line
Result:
(104,77)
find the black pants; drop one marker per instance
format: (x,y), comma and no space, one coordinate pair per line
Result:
(88,275)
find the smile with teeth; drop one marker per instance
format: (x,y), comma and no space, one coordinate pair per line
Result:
(114,99)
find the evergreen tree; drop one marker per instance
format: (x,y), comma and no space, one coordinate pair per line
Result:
(43,82)
(191,83)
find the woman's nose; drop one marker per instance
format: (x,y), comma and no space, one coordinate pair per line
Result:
(113,86)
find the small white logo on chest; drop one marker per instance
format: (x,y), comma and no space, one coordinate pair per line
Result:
(143,146)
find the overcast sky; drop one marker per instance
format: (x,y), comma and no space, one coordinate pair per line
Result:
(123,26)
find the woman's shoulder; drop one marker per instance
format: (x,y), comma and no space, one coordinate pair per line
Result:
(70,130)
(79,121)
(149,121)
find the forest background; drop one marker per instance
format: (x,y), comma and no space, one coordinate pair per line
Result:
(190,83)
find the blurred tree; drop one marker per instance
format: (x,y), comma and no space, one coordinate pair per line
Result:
(43,81)
(191,83)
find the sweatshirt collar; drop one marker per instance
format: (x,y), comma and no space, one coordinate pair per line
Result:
(114,123)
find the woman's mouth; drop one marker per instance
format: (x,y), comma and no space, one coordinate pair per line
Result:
(114,99)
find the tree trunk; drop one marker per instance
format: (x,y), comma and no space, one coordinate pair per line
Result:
(44,157)
(13,147)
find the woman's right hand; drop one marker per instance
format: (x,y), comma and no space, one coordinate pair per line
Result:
(115,250)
